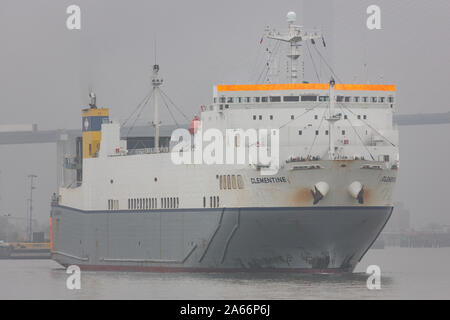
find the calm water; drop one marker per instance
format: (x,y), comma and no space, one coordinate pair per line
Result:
(406,274)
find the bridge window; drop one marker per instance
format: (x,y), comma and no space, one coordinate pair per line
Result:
(324,98)
(374,99)
(230,100)
(347,99)
(382,99)
(309,98)
(291,98)
(391,99)
(365,99)
(256,99)
(275,99)
(355,99)
(340,98)
(264,99)
(247,99)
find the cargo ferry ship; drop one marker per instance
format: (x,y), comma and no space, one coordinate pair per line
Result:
(321,209)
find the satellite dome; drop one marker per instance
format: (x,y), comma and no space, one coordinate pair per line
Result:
(291,16)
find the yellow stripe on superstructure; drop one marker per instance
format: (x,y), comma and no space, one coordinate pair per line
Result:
(95,112)
(304,86)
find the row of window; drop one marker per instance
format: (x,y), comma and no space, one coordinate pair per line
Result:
(213,202)
(152,203)
(365,99)
(316,117)
(300,132)
(113,204)
(306,98)
(231,182)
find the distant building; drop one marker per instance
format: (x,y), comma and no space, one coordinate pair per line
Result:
(400,219)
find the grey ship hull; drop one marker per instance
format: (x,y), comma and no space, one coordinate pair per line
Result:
(304,239)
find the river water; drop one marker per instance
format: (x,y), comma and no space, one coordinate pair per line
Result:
(406,273)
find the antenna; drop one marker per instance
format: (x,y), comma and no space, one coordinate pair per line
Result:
(294,36)
(154,48)
(30,212)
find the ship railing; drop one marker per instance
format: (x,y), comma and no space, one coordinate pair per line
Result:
(303,159)
(148,151)
(318,158)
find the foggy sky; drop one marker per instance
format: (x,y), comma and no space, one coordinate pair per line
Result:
(47,71)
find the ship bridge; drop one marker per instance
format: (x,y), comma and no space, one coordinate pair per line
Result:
(226,96)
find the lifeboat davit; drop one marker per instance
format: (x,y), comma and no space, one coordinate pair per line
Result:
(195,125)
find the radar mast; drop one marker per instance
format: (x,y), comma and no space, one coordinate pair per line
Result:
(156,83)
(295,35)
